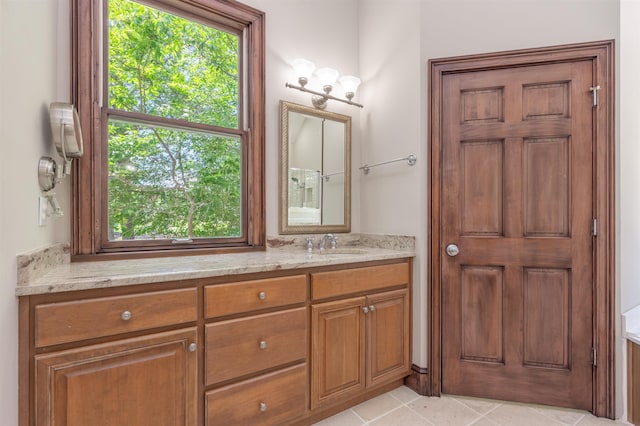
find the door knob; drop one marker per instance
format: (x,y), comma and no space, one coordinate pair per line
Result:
(452,250)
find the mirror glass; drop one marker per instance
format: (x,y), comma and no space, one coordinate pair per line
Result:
(315,172)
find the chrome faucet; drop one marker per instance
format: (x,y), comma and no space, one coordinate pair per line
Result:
(333,241)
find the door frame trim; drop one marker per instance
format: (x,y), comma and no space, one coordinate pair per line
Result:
(601,53)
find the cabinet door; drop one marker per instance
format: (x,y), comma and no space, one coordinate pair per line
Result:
(146,381)
(338,345)
(388,336)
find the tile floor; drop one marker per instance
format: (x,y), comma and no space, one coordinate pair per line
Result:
(403,407)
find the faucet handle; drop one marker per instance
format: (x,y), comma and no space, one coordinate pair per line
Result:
(334,241)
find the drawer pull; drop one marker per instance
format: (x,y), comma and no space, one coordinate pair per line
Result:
(263,344)
(193,347)
(365,309)
(262,295)
(372,308)
(263,406)
(126,316)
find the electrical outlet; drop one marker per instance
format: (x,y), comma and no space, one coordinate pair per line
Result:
(43,203)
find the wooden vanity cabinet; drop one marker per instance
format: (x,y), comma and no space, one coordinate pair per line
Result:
(121,359)
(256,346)
(261,349)
(361,342)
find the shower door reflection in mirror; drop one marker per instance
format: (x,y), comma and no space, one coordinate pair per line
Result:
(315,178)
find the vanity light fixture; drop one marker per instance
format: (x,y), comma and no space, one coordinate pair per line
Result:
(328,77)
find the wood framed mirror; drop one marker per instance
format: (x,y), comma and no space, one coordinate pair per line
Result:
(315,170)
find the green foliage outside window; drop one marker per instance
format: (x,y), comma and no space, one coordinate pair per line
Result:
(170,181)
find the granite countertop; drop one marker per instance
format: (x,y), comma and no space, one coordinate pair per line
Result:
(631,325)
(49,270)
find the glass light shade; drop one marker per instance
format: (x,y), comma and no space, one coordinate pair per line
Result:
(303,68)
(328,76)
(350,83)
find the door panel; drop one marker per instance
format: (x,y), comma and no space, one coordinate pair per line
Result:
(546,101)
(546,174)
(517,185)
(546,299)
(481,323)
(482,188)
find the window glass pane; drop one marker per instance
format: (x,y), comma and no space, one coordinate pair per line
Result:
(168,183)
(165,65)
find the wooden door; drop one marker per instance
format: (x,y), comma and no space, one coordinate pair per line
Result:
(337,352)
(388,336)
(146,381)
(517,202)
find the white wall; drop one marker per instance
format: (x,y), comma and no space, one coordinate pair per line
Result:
(394,67)
(387,43)
(34,71)
(394,64)
(326,33)
(629,160)
(394,197)
(34,62)
(460,27)
(507,25)
(628,172)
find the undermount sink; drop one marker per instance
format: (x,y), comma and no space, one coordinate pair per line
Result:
(343,251)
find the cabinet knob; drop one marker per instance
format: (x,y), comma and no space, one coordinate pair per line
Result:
(193,347)
(262,295)
(126,316)
(263,344)
(365,309)
(263,406)
(372,308)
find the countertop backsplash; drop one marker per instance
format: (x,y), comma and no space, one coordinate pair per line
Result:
(49,270)
(37,263)
(389,242)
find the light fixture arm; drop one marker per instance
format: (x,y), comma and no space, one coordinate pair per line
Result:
(324,97)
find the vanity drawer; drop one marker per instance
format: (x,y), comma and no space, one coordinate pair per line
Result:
(348,281)
(247,296)
(271,399)
(65,322)
(238,347)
